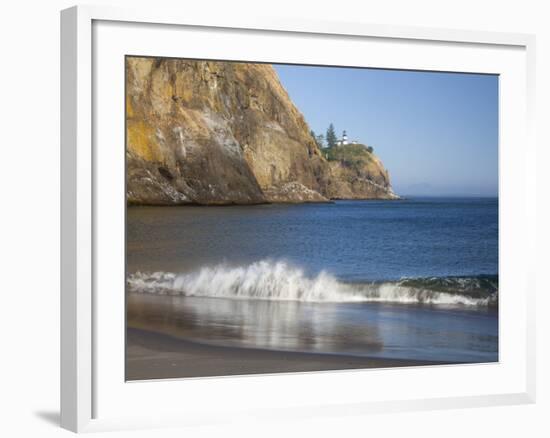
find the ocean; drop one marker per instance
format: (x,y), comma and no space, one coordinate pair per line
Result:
(411,279)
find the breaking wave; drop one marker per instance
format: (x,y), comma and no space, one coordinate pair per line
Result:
(279,280)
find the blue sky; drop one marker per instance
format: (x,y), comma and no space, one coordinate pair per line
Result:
(436,133)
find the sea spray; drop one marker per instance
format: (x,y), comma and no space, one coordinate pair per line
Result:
(281,281)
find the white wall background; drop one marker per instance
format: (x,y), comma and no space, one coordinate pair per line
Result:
(29,215)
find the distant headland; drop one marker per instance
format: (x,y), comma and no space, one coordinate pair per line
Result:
(222,133)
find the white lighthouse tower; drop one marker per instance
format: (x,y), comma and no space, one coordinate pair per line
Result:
(344,138)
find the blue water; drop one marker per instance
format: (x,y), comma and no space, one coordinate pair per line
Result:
(250,276)
(354,240)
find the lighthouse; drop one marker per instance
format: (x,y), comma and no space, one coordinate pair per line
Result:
(343,140)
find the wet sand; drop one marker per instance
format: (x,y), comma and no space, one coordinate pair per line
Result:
(151,355)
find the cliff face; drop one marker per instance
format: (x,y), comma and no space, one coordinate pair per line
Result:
(224,133)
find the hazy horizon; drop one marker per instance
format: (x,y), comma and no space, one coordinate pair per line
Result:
(436,133)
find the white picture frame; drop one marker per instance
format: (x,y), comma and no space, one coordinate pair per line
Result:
(93,397)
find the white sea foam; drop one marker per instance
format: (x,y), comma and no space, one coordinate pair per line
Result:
(280,281)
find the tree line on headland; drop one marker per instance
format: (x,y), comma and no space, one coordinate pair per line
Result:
(323,141)
(329,140)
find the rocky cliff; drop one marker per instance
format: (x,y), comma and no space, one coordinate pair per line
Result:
(227,133)
(357,173)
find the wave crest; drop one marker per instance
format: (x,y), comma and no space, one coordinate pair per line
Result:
(280,281)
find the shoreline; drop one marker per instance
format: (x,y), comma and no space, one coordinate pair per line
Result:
(154,355)
(253,204)
(131,204)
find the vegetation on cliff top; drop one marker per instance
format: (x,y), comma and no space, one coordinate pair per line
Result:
(354,155)
(350,155)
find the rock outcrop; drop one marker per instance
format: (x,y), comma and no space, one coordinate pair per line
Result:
(227,133)
(357,173)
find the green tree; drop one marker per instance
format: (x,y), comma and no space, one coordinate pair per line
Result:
(320,140)
(331,136)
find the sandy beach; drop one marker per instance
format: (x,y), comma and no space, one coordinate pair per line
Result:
(151,355)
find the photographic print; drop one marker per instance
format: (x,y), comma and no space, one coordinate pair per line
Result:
(295,218)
